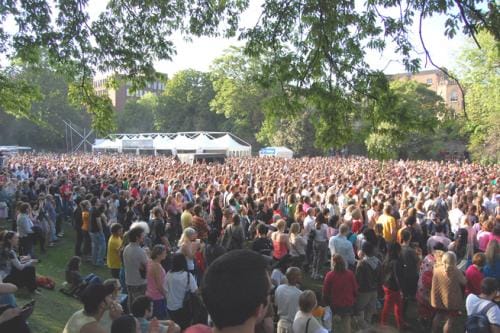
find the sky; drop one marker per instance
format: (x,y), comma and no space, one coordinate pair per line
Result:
(199,53)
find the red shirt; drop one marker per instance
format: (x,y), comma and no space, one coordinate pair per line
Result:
(474,278)
(65,191)
(340,288)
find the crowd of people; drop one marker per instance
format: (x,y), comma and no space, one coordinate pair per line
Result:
(228,245)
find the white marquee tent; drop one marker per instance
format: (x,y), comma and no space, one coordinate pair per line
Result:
(174,143)
(276,152)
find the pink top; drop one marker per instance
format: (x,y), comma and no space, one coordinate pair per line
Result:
(483,238)
(151,290)
(279,249)
(474,279)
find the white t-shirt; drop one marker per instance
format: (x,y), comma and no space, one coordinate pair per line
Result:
(176,288)
(287,301)
(308,224)
(475,305)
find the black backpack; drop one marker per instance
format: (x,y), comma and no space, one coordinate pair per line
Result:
(479,323)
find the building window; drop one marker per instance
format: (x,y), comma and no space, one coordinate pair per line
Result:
(454,96)
(429,81)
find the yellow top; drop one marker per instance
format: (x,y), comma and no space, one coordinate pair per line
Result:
(113,257)
(390,227)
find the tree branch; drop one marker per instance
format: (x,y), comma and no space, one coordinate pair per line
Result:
(442,69)
(470,27)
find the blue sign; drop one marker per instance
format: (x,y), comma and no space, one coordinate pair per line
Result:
(267,151)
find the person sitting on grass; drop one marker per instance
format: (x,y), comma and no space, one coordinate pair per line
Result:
(142,311)
(75,283)
(17,270)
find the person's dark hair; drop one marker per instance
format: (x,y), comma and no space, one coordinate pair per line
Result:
(368,249)
(262,229)
(135,233)
(213,236)
(197,210)
(370,236)
(234,286)
(116,227)
(140,305)
(236,219)
(496,229)
(73,264)
(124,324)
(338,263)
(333,220)
(410,220)
(489,286)
(24,207)
(439,247)
(439,227)
(189,205)
(179,263)
(405,236)
(320,219)
(93,296)
(393,251)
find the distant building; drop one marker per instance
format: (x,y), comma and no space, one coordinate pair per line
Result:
(437,81)
(120,96)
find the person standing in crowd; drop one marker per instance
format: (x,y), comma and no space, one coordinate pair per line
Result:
(474,274)
(484,304)
(492,267)
(179,281)
(155,277)
(369,278)
(411,264)
(393,275)
(340,245)
(320,246)
(297,245)
(97,235)
(340,290)
(87,244)
(280,241)
(304,321)
(287,299)
(188,246)
(114,245)
(262,244)
(447,294)
(432,260)
(389,224)
(187,216)
(135,262)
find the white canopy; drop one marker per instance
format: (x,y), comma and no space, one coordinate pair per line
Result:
(195,142)
(276,152)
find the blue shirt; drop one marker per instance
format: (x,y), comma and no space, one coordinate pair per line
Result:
(340,245)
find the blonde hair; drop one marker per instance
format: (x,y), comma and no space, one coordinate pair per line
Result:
(294,228)
(449,258)
(281,224)
(186,236)
(307,301)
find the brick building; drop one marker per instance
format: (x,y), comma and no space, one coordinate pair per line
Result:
(440,83)
(120,96)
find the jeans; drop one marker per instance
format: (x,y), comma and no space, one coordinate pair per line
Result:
(98,248)
(320,249)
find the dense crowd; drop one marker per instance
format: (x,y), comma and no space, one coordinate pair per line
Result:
(380,236)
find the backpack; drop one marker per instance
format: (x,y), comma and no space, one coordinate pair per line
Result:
(478,322)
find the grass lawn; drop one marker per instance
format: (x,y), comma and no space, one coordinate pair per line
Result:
(53,308)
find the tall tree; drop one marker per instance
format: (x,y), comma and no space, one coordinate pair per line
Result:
(408,112)
(41,124)
(138,115)
(185,104)
(479,70)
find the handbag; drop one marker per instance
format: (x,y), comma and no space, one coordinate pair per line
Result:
(193,306)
